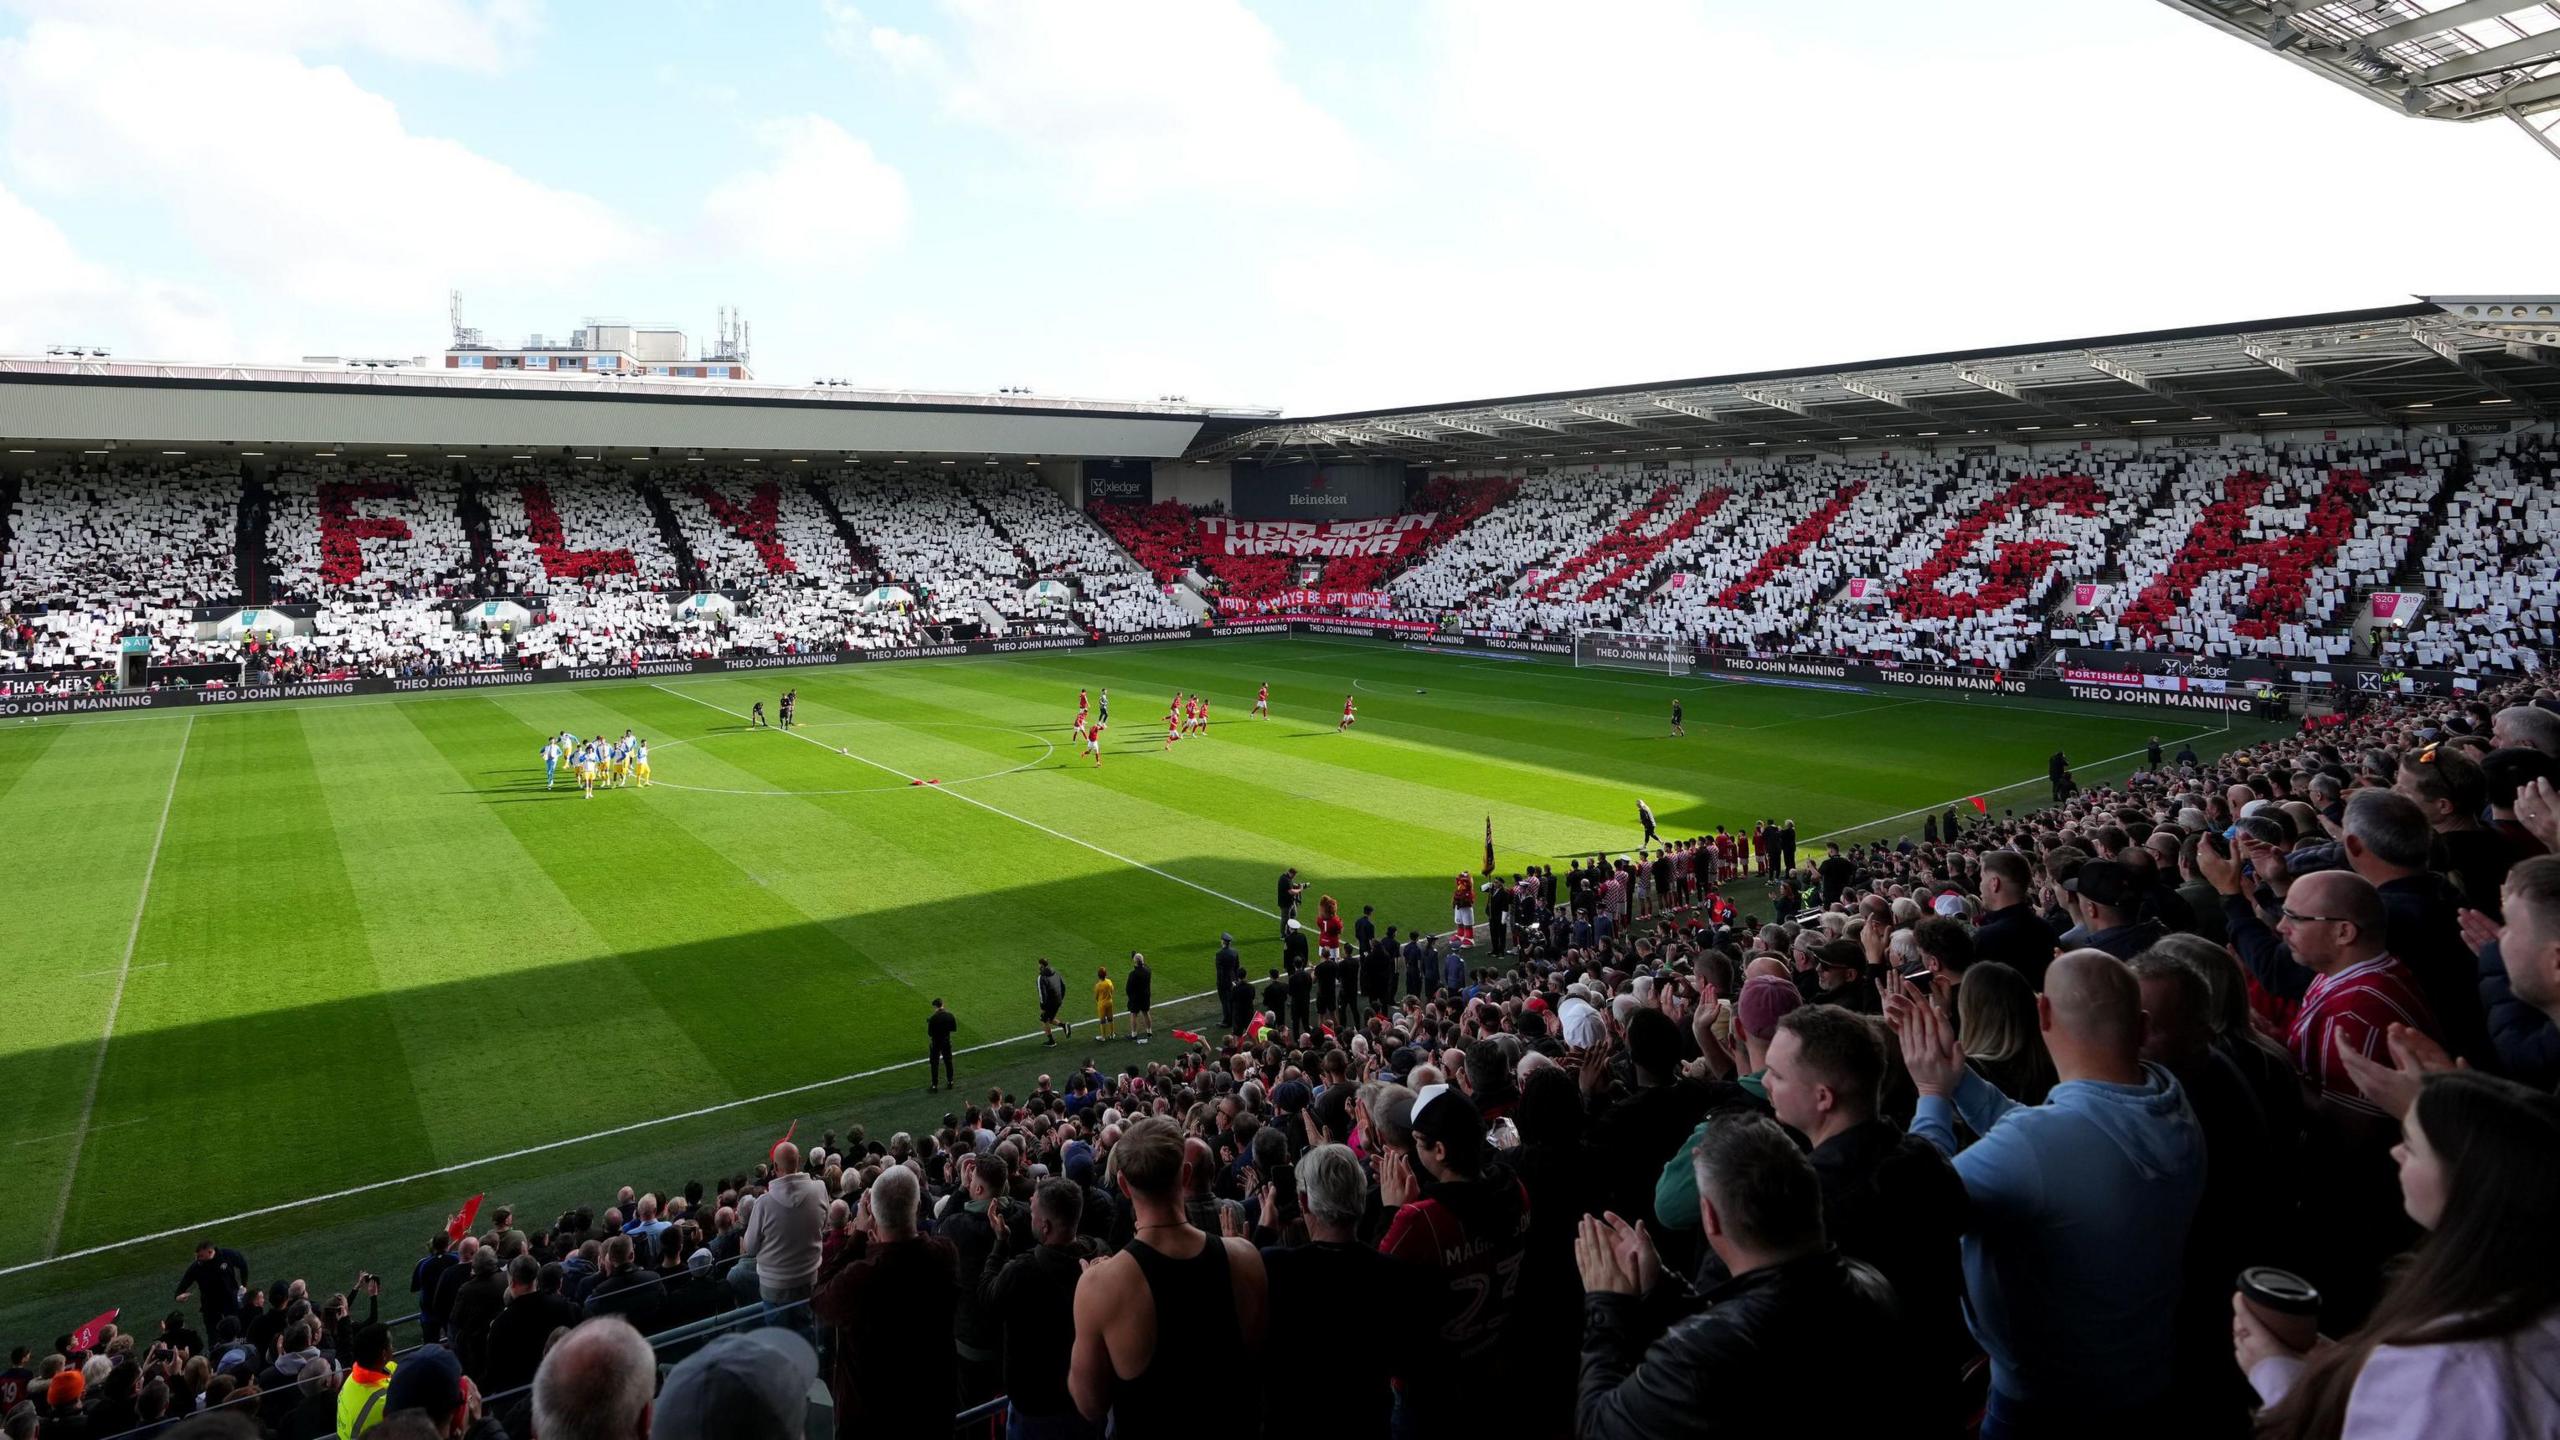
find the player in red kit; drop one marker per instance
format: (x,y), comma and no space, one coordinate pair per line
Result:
(1093,744)
(1347,715)
(1262,701)
(1462,908)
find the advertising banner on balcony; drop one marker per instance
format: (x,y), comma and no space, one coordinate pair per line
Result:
(2396,608)
(1386,535)
(1863,591)
(1284,602)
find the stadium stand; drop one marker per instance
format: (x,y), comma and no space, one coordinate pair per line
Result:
(97,552)
(2206,1092)
(2494,565)
(2262,552)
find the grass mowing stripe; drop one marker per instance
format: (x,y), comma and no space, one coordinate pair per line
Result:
(115,999)
(1009,815)
(545,1148)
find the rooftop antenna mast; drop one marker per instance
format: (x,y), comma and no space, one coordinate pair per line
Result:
(464,336)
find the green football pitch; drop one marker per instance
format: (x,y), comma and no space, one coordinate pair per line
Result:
(306,975)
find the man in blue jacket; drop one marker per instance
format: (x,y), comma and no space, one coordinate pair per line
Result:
(2080,1206)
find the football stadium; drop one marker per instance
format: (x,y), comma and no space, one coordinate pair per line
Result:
(584,887)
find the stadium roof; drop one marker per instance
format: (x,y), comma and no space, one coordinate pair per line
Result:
(90,401)
(2436,59)
(2438,360)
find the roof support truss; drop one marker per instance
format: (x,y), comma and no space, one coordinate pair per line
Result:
(2480,374)
(1526,420)
(2311,381)
(1602,413)
(1926,410)
(2196,404)
(1985,380)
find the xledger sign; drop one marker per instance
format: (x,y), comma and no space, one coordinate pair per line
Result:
(1386,535)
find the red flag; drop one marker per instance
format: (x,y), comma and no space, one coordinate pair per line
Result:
(460,1224)
(86,1337)
(1980,804)
(1187,1038)
(794,1129)
(1488,844)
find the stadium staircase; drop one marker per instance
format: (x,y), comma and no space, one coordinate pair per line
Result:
(252,538)
(688,569)
(866,561)
(2413,566)
(474,515)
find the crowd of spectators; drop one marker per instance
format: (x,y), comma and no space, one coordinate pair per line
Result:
(98,551)
(2256,552)
(2215,1102)
(1966,561)
(2494,566)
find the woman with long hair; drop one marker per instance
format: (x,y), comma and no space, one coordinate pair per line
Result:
(2466,1340)
(1996,1016)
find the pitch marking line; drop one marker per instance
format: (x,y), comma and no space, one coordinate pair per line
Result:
(990,809)
(1048,748)
(2030,780)
(115,1000)
(545,1148)
(67,1134)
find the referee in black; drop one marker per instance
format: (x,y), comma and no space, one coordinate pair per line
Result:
(1677,728)
(937,1056)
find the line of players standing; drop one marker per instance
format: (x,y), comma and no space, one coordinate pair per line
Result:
(1187,715)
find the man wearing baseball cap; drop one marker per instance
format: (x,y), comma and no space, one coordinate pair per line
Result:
(1464,1225)
(431,1382)
(750,1385)
(2106,900)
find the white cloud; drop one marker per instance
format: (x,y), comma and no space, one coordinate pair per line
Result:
(1136,99)
(290,176)
(1669,188)
(824,199)
(51,294)
(481,35)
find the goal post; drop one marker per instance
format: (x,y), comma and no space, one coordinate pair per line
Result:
(1631,650)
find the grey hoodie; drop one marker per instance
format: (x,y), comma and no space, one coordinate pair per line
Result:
(2073,1256)
(785,1231)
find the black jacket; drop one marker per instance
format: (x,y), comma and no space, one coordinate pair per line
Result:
(1033,1296)
(1753,1357)
(474,1306)
(974,1241)
(1139,993)
(2018,938)
(517,1336)
(635,1294)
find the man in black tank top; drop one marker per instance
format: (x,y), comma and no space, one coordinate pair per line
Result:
(1161,1327)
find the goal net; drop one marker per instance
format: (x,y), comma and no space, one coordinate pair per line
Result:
(1627,650)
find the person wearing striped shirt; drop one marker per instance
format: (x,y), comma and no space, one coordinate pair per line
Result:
(2333,924)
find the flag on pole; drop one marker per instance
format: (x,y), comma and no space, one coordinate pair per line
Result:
(792,1130)
(1488,844)
(86,1337)
(460,1225)
(1980,804)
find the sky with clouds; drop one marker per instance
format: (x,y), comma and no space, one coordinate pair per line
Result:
(1317,205)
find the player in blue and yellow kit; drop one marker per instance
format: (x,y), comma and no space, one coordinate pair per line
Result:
(640,760)
(550,762)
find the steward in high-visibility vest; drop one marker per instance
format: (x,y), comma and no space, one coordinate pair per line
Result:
(367,1377)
